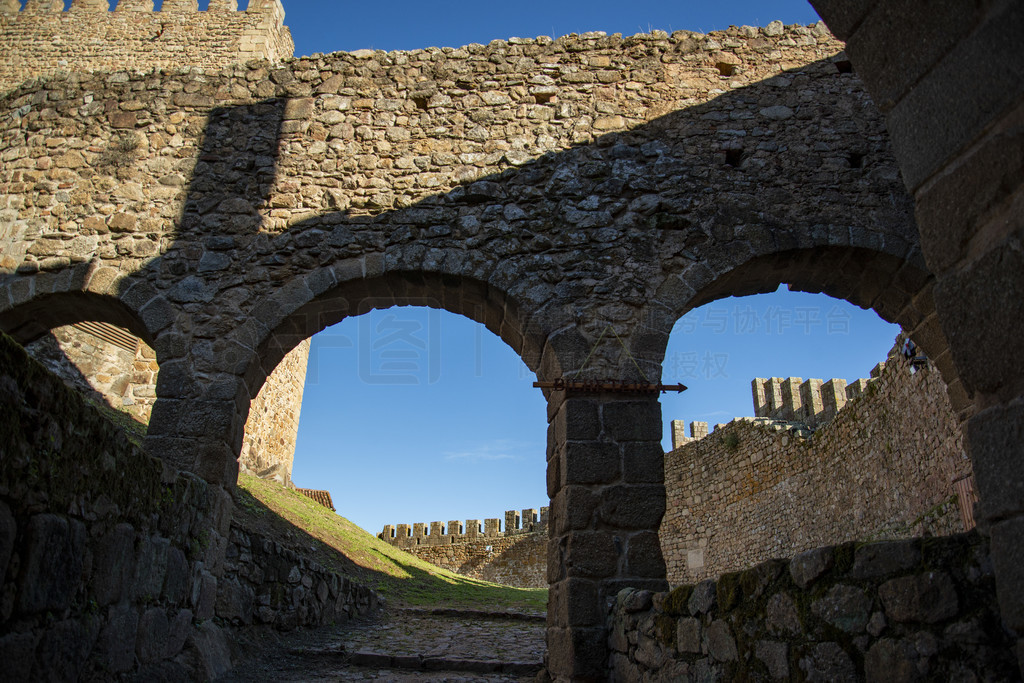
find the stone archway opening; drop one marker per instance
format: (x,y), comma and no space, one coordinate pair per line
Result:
(807,428)
(424,428)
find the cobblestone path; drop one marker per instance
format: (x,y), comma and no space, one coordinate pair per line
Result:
(408,645)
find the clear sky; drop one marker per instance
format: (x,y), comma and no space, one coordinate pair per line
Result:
(416,415)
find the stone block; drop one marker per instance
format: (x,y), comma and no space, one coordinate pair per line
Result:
(883,559)
(890,73)
(208,655)
(113,564)
(8,532)
(575,602)
(153,631)
(116,645)
(892,660)
(995,439)
(1008,559)
(720,641)
(591,554)
(704,597)
(632,507)
(577,653)
(959,97)
(807,566)
(590,462)
(983,183)
(973,304)
(642,463)
(52,564)
(632,420)
(574,507)
(828,662)
(643,556)
(844,607)
(927,598)
(775,656)
(64,648)
(150,567)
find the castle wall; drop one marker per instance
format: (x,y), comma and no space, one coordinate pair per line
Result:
(515,556)
(113,564)
(43,40)
(923,609)
(109,364)
(268,448)
(759,488)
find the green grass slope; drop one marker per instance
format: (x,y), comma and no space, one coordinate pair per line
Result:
(313,530)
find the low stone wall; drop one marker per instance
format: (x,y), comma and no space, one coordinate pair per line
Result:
(519,561)
(110,563)
(921,609)
(758,488)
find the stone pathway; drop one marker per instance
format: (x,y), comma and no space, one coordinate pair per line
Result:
(408,645)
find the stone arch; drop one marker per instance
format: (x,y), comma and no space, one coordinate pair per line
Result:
(296,311)
(898,289)
(31,305)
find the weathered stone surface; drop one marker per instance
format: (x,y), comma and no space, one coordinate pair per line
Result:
(828,663)
(688,635)
(720,641)
(208,652)
(52,566)
(782,616)
(877,559)
(775,656)
(927,598)
(8,531)
(113,564)
(809,565)
(845,607)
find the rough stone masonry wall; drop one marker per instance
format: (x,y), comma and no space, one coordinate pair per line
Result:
(758,488)
(268,446)
(103,370)
(44,40)
(112,563)
(127,382)
(519,561)
(516,556)
(898,612)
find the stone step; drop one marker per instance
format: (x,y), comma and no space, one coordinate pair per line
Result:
(382,660)
(531,617)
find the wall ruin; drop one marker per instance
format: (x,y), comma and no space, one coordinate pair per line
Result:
(43,40)
(882,467)
(513,556)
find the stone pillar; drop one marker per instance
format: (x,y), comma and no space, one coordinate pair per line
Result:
(134,6)
(10,6)
(606,484)
(454,527)
(44,6)
(773,397)
(223,6)
(758,387)
(833,397)
(678,434)
(511,521)
(698,430)
(492,527)
(90,6)
(791,403)
(810,398)
(956,116)
(180,6)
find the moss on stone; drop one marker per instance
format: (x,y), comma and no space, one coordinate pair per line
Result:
(844,556)
(677,600)
(728,590)
(665,629)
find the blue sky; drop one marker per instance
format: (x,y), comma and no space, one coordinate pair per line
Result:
(416,415)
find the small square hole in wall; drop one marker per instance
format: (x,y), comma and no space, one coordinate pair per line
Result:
(726,69)
(733,157)
(856,160)
(844,66)
(489,548)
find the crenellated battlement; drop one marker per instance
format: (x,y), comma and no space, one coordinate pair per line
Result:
(131,35)
(812,402)
(516,522)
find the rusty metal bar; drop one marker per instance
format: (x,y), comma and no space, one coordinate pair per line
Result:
(612,386)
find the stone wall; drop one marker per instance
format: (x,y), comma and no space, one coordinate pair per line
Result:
(113,563)
(759,488)
(102,367)
(268,447)
(43,40)
(515,556)
(103,362)
(903,611)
